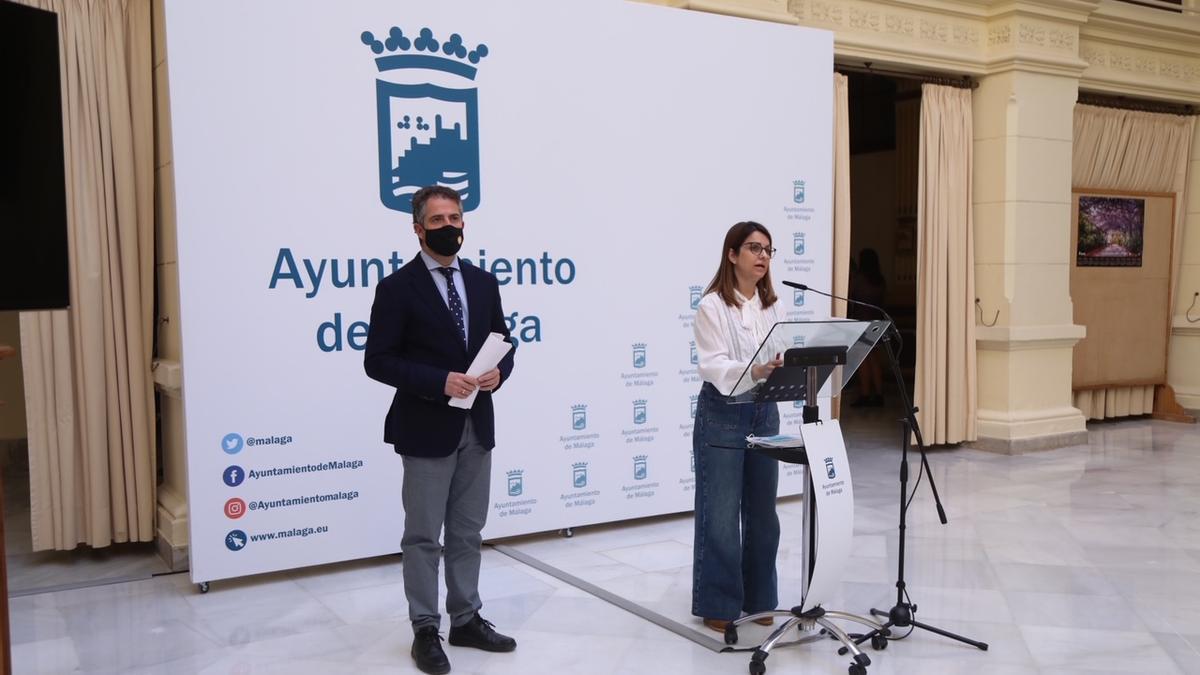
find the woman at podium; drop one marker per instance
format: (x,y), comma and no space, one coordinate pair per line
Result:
(737,528)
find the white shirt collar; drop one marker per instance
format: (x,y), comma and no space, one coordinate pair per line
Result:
(753,301)
(432,264)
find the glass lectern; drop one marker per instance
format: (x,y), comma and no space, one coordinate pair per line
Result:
(818,359)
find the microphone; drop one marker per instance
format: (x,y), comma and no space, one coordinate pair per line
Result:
(877,308)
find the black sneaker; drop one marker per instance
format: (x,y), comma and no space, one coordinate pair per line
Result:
(478,633)
(427,651)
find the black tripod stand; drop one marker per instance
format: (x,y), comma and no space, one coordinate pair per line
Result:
(901,614)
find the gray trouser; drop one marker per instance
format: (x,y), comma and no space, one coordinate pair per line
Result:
(452,490)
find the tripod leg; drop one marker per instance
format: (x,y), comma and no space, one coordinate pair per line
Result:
(952,636)
(877,636)
(846,616)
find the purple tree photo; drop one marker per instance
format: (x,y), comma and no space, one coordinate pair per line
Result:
(1110,231)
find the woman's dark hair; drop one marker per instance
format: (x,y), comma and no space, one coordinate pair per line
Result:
(724,281)
(868,266)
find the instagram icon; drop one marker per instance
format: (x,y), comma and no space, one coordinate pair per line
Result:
(235,508)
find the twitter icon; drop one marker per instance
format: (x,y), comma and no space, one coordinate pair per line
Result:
(232,444)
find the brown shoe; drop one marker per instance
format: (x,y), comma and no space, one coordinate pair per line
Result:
(718,625)
(765,621)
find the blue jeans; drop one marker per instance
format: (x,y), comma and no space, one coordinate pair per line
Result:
(737,528)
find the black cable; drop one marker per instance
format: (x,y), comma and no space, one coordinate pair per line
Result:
(916,484)
(908,601)
(899,338)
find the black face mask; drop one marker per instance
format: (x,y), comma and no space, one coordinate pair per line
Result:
(445,240)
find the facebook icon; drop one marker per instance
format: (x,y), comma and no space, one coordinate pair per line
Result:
(234,476)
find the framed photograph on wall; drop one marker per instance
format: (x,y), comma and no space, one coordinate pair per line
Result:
(1111,231)
(1120,284)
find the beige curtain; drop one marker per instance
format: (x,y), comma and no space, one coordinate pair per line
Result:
(944,389)
(89,392)
(841,202)
(841,192)
(1140,152)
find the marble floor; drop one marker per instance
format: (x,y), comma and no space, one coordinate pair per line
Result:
(1076,560)
(31,572)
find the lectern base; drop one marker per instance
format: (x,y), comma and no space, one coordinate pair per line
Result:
(805,622)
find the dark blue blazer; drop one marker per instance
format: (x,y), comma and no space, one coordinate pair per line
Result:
(414,343)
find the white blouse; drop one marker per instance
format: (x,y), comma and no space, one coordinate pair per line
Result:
(728,337)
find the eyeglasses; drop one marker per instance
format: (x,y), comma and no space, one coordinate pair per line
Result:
(758,249)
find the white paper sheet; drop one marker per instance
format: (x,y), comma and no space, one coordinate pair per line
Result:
(494,349)
(777,441)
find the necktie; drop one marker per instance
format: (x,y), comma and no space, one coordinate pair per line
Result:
(454,300)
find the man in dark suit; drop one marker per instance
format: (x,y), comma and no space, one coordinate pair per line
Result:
(428,322)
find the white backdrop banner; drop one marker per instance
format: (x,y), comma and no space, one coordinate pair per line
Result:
(603,148)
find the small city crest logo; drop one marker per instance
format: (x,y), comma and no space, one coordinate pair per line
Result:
(799,340)
(693,355)
(692,405)
(692,461)
(428,132)
(798,191)
(578,417)
(695,293)
(798,297)
(639,355)
(798,243)
(579,474)
(639,411)
(639,467)
(830,472)
(516,482)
